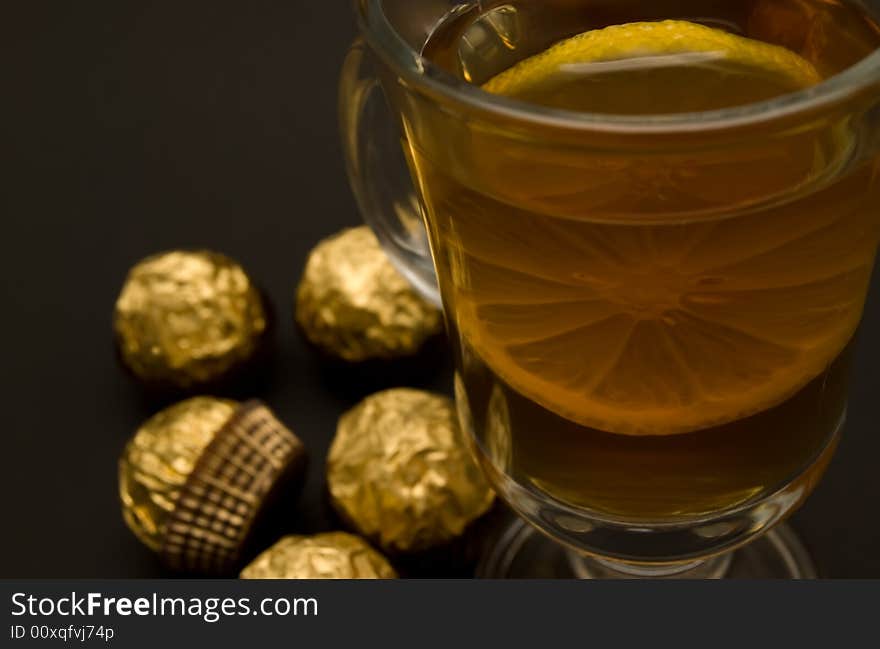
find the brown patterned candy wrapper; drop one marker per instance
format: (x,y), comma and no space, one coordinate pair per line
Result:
(186,319)
(196,477)
(354,305)
(332,555)
(400,473)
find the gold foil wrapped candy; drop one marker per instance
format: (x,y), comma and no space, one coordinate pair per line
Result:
(333,555)
(187,318)
(400,473)
(352,302)
(194,478)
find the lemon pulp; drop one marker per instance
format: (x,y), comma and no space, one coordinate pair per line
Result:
(653,329)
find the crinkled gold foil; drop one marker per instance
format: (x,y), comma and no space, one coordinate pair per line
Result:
(400,472)
(498,431)
(187,318)
(333,555)
(353,303)
(160,458)
(196,477)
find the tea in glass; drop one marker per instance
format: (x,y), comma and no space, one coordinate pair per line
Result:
(650,329)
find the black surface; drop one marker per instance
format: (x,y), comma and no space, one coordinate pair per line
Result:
(129,128)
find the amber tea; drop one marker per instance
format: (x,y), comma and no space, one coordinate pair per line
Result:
(650,330)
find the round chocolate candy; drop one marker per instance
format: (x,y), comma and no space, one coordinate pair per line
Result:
(195,477)
(185,319)
(333,555)
(399,471)
(353,304)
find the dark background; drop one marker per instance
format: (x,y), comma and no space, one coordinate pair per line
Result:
(129,128)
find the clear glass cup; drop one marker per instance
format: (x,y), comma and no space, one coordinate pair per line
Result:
(651,386)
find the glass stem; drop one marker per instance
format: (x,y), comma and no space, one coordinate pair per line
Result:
(594,568)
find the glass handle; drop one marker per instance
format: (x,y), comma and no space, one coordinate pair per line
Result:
(378,171)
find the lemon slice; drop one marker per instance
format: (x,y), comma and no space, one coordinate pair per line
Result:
(660,330)
(644,328)
(724,69)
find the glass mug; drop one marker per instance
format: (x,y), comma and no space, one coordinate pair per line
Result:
(652,316)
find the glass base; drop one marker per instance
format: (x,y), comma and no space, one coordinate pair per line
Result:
(522,552)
